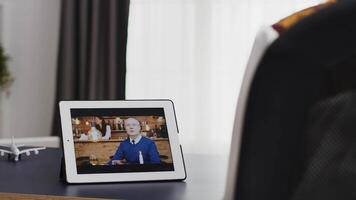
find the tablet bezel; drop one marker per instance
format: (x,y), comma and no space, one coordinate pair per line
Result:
(72,176)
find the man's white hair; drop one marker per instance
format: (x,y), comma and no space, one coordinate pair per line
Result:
(131,118)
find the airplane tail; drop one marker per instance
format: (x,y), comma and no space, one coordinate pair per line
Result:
(13,142)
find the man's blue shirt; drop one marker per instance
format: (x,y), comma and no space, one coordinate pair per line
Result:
(130,152)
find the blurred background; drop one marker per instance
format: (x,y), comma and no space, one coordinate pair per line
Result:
(193,52)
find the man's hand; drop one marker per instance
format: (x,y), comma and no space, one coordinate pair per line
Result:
(118,162)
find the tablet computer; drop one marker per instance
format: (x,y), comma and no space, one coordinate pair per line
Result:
(120,141)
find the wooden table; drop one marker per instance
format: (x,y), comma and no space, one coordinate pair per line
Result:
(15,196)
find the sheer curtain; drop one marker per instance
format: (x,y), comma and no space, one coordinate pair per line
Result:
(194,52)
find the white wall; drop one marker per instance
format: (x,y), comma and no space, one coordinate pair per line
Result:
(30,30)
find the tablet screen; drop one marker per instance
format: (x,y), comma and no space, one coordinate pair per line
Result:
(121,140)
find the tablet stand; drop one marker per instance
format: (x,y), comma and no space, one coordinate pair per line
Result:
(62,173)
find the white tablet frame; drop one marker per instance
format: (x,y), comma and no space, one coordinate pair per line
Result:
(72,176)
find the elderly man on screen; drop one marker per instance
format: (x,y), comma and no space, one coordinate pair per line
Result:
(136,149)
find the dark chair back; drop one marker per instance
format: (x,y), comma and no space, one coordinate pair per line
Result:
(299,125)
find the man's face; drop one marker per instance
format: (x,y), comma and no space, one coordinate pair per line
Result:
(132,126)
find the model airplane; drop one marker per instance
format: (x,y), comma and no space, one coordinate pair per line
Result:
(14,153)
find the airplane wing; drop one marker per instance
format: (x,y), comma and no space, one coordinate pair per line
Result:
(3,151)
(28,151)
